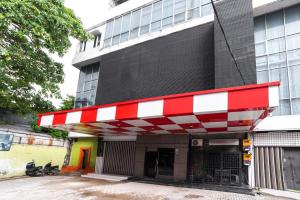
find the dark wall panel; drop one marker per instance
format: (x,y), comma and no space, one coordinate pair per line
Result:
(236,18)
(176,63)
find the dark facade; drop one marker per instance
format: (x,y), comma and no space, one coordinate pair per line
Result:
(236,18)
(177,63)
(190,60)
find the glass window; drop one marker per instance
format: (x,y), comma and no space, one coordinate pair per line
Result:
(293,42)
(275,25)
(281,75)
(276,45)
(108,33)
(179,11)
(117,31)
(135,23)
(125,28)
(284,108)
(95,72)
(292,20)
(167,13)
(205,1)
(145,20)
(97,39)
(262,76)
(193,8)
(293,57)
(277,60)
(260,29)
(295,81)
(206,9)
(296,106)
(261,63)
(87,85)
(260,49)
(80,82)
(156,16)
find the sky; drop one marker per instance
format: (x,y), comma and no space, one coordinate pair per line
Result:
(90,12)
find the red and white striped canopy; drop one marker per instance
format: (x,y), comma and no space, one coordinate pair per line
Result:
(236,109)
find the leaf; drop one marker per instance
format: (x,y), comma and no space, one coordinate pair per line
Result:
(29,31)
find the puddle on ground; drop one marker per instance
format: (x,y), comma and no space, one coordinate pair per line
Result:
(193,196)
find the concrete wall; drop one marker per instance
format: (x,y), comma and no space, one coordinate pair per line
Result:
(13,162)
(179,142)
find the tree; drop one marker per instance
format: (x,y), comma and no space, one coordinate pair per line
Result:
(31,30)
(67,103)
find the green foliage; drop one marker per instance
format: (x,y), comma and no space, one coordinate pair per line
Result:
(53,132)
(29,31)
(67,103)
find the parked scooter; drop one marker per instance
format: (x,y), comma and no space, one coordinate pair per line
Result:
(51,170)
(32,170)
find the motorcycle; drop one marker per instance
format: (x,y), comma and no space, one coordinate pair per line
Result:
(32,170)
(51,170)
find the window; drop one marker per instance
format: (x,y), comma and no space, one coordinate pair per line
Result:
(277,46)
(156,16)
(145,20)
(97,39)
(153,17)
(167,19)
(87,86)
(135,23)
(292,20)
(193,9)
(82,46)
(179,11)
(108,33)
(117,31)
(206,8)
(295,81)
(275,27)
(260,29)
(125,28)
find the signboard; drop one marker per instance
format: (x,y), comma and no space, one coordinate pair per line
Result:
(223,142)
(247,158)
(247,144)
(5,141)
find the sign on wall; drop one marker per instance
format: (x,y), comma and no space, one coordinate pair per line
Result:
(5,141)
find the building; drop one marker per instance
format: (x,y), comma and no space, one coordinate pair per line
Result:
(176,92)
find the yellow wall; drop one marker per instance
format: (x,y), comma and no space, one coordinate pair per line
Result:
(84,142)
(13,162)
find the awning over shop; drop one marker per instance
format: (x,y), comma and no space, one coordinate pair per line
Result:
(236,109)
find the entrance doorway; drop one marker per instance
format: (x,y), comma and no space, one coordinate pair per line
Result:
(151,159)
(159,163)
(291,167)
(84,158)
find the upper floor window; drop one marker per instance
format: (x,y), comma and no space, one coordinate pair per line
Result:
(154,17)
(87,86)
(82,46)
(277,48)
(97,39)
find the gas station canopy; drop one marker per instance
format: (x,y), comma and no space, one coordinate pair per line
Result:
(226,110)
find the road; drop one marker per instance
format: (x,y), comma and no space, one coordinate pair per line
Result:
(77,188)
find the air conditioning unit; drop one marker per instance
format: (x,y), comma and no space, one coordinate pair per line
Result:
(197,142)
